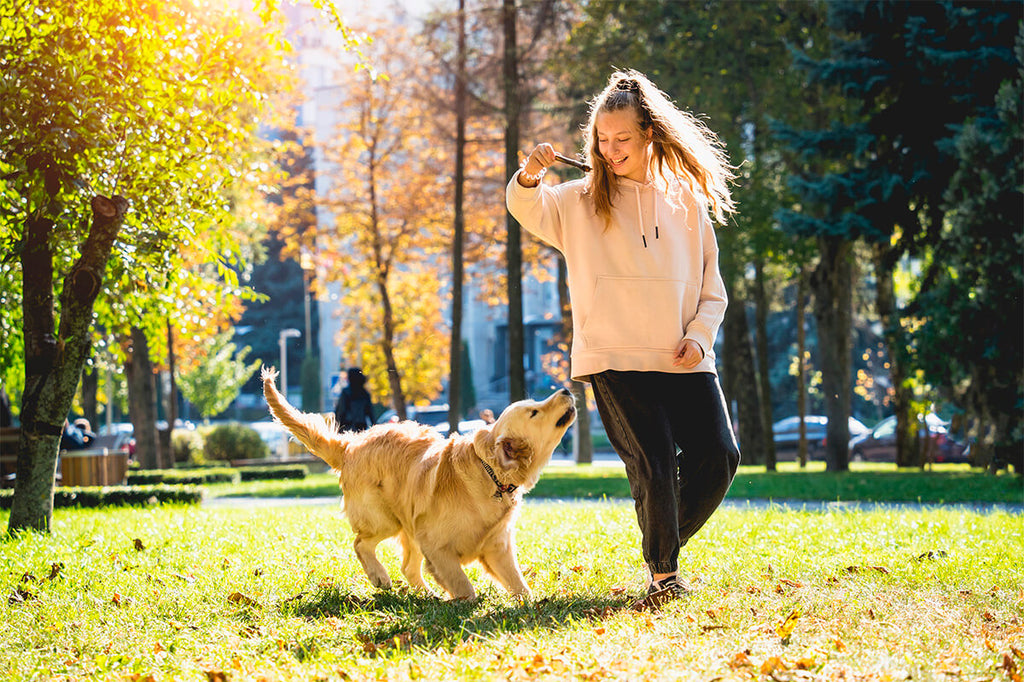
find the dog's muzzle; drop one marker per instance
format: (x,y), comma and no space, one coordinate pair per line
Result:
(570,413)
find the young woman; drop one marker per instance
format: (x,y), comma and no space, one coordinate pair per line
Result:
(647,302)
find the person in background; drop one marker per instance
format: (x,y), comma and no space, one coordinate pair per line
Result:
(354,411)
(647,301)
(83,425)
(72,438)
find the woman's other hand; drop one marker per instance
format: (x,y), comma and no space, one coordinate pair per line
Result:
(688,354)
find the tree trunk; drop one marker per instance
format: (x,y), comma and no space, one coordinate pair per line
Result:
(455,350)
(583,443)
(907,447)
(387,311)
(142,402)
(741,376)
(171,404)
(90,386)
(833,297)
(801,376)
(763,374)
(514,256)
(54,361)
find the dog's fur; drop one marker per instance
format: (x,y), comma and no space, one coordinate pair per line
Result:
(435,494)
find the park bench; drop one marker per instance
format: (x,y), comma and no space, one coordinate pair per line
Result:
(105,463)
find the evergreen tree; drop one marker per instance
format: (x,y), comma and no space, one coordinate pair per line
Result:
(912,72)
(972,339)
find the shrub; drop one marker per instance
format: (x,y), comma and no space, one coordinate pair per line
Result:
(187,446)
(118,496)
(183,476)
(287,471)
(230,441)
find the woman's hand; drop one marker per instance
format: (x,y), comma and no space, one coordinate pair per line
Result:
(542,156)
(688,354)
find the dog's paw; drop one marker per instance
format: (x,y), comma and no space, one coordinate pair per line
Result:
(381,582)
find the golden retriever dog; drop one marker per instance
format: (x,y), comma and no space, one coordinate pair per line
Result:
(450,501)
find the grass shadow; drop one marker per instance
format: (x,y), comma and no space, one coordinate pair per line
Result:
(403,618)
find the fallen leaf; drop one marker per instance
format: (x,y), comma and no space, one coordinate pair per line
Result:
(55,570)
(741,660)
(20,596)
(786,629)
(1017,652)
(116,599)
(791,583)
(599,631)
(1010,668)
(239,598)
(773,665)
(578,568)
(805,663)
(138,545)
(216,676)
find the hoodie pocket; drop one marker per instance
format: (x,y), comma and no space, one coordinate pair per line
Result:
(639,312)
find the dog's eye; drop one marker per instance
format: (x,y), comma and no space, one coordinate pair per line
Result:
(534,413)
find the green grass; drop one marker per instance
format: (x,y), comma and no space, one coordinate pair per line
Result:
(276,593)
(864,483)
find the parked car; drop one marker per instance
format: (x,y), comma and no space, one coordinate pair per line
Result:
(879,444)
(435,416)
(786,434)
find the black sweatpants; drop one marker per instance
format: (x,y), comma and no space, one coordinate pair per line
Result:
(674,435)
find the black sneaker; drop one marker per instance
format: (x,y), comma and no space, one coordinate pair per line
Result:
(661,591)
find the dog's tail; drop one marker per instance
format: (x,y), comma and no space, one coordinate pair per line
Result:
(316,432)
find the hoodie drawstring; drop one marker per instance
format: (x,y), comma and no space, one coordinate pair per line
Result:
(640,216)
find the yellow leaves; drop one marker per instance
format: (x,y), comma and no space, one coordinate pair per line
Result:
(785,629)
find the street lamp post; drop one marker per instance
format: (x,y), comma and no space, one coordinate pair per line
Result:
(282,340)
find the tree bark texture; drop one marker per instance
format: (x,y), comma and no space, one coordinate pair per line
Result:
(833,299)
(54,358)
(741,381)
(90,386)
(513,107)
(907,447)
(763,375)
(142,402)
(455,349)
(801,376)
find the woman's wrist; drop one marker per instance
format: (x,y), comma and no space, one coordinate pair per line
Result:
(528,179)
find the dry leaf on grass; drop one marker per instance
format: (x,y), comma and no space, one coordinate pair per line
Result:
(239,598)
(786,628)
(741,660)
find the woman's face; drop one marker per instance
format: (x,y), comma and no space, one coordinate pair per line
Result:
(623,146)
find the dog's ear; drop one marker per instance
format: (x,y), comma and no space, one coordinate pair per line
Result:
(512,449)
(483,442)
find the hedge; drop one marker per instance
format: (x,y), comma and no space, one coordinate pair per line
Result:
(217,475)
(269,473)
(183,476)
(118,496)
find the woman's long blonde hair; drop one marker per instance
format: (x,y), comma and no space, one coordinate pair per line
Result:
(682,147)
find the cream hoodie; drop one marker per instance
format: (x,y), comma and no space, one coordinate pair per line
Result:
(638,288)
